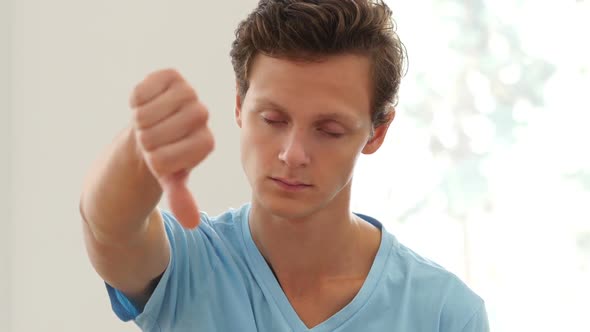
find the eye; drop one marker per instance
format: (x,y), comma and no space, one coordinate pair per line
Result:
(330,133)
(274,122)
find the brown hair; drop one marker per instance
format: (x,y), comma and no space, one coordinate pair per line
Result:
(311,29)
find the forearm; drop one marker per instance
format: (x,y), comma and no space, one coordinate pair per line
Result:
(119,193)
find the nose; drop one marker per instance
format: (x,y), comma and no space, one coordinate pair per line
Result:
(293,152)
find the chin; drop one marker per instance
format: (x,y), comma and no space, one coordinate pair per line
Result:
(275,201)
(286,207)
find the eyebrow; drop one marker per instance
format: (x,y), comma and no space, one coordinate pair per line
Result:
(320,118)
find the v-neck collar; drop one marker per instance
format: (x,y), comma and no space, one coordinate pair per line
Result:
(272,289)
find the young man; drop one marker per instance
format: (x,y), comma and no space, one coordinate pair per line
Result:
(316,84)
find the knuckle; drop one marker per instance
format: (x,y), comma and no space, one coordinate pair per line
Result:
(170,72)
(196,117)
(185,92)
(190,119)
(203,112)
(208,142)
(164,74)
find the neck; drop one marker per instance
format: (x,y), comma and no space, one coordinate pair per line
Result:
(326,244)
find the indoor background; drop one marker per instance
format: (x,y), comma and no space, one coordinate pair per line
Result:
(486,168)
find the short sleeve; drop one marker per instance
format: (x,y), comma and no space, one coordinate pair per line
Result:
(479,321)
(463,310)
(187,250)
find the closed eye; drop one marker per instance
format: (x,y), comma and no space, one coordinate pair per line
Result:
(330,134)
(274,122)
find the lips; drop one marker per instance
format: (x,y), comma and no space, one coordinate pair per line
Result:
(291,182)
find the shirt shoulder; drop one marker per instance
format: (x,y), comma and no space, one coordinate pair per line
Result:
(196,254)
(432,290)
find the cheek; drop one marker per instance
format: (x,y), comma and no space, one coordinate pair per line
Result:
(337,162)
(255,148)
(247,147)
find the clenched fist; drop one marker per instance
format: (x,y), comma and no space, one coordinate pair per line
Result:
(171,129)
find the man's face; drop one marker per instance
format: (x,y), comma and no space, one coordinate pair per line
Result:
(303,126)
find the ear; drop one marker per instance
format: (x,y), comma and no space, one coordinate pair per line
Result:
(378,136)
(238,108)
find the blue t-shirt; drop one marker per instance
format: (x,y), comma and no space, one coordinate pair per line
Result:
(217,280)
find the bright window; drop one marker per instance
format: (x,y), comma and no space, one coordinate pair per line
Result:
(486,168)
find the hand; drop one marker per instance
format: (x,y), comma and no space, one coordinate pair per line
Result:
(170,125)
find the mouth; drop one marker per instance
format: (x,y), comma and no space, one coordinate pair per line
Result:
(290,184)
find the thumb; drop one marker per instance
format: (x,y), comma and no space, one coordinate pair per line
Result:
(181,200)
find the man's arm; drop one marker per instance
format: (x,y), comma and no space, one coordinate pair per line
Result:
(123,230)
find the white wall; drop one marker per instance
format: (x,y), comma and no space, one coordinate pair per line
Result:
(5,165)
(74,64)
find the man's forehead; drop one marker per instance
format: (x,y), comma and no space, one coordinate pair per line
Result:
(338,87)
